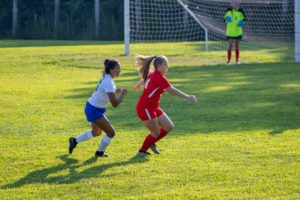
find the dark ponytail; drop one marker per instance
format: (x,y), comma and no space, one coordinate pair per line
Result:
(109,64)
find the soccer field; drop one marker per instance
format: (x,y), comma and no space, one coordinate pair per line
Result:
(240,141)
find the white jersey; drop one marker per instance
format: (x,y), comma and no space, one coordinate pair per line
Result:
(100,98)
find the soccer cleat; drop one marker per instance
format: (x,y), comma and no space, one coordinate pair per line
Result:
(100,154)
(73,144)
(228,62)
(237,62)
(144,153)
(154,149)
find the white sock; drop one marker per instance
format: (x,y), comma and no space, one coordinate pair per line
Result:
(104,143)
(85,136)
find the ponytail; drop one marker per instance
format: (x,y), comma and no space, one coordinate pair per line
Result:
(143,65)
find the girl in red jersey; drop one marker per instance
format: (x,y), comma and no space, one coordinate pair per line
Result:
(147,108)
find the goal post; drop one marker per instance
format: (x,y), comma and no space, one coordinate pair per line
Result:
(126,27)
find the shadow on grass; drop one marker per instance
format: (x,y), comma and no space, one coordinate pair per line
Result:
(42,176)
(276,131)
(45,43)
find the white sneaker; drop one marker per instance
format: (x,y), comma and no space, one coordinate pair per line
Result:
(154,149)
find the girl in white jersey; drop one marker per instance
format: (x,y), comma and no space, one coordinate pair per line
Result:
(96,106)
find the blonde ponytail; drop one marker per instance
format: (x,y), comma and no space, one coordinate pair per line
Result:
(143,64)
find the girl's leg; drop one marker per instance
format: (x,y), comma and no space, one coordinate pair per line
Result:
(94,132)
(237,50)
(153,126)
(166,126)
(84,136)
(230,41)
(104,125)
(156,133)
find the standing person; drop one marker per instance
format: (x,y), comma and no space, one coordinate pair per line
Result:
(147,108)
(234,17)
(96,106)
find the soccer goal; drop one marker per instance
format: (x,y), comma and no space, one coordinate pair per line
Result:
(198,26)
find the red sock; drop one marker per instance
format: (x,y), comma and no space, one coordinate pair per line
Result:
(149,140)
(162,134)
(229,54)
(237,54)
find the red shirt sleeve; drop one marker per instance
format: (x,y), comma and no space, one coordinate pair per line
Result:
(164,83)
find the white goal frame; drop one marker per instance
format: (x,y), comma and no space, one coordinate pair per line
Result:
(127,27)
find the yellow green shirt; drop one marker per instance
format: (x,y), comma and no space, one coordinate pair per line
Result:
(233,30)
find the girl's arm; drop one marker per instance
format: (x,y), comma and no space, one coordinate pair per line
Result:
(119,89)
(138,85)
(114,100)
(178,93)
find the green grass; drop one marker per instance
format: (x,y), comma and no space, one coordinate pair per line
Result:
(240,141)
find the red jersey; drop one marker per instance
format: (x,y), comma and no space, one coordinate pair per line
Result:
(154,87)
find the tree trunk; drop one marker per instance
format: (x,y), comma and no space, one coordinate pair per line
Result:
(56,17)
(15,18)
(97,19)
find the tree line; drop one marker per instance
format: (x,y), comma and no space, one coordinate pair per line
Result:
(62,19)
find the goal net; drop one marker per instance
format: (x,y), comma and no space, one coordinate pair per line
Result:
(192,26)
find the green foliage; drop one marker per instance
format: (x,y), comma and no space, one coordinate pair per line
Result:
(240,141)
(76,19)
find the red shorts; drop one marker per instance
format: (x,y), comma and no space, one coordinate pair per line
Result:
(148,113)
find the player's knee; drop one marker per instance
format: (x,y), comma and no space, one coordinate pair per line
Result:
(96,133)
(169,128)
(111,133)
(155,134)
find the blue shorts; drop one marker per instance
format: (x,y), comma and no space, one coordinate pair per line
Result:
(93,113)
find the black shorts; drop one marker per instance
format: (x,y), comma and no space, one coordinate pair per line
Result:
(238,37)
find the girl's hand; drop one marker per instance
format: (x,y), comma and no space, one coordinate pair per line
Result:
(228,19)
(119,89)
(138,85)
(136,88)
(193,98)
(240,23)
(124,91)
